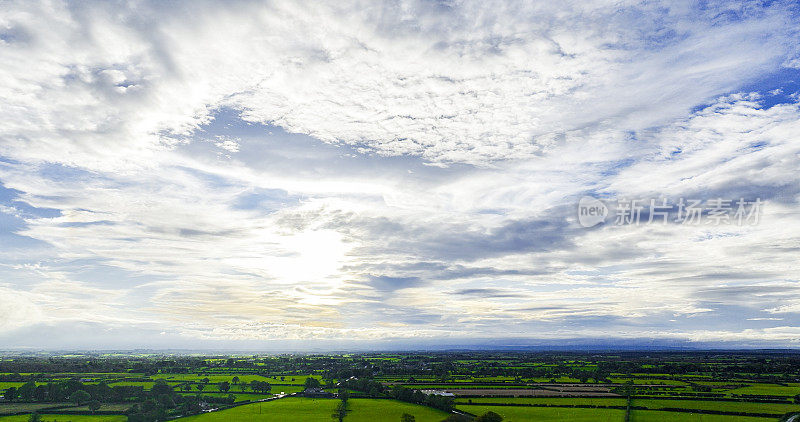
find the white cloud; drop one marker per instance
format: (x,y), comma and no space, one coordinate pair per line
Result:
(464,132)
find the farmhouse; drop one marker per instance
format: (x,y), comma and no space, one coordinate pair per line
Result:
(436,393)
(318,393)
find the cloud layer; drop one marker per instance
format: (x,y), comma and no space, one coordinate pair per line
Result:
(274,172)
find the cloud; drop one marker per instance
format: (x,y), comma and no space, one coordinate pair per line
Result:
(363,170)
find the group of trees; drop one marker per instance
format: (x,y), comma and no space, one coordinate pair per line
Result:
(415,396)
(162,400)
(146,406)
(260,386)
(375,389)
(70,390)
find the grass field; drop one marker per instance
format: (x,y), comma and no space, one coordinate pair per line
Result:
(6,385)
(727,406)
(548,414)
(288,379)
(8,408)
(767,389)
(239,396)
(67,418)
(657,416)
(146,384)
(319,410)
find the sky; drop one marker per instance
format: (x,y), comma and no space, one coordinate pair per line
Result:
(291,175)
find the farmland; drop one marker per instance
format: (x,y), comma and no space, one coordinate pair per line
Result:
(749,387)
(361,410)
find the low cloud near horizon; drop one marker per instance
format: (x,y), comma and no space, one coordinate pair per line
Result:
(308,175)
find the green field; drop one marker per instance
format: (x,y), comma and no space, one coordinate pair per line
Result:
(239,396)
(319,410)
(548,414)
(9,408)
(288,379)
(67,418)
(767,389)
(728,406)
(657,416)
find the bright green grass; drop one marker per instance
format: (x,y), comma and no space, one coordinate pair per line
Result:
(239,397)
(727,406)
(146,384)
(548,414)
(767,389)
(288,379)
(6,385)
(68,418)
(319,410)
(658,416)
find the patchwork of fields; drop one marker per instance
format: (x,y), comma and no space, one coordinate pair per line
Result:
(518,387)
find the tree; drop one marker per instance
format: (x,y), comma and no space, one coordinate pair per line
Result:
(11,394)
(35,417)
(312,383)
(235,380)
(489,417)
(161,387)
(26,391)
(343,395)
(199,387)
(93,405)
(340,412)
(224,386)
(80,397)
(407,418)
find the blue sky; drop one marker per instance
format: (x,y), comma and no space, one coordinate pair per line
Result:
(394,174)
